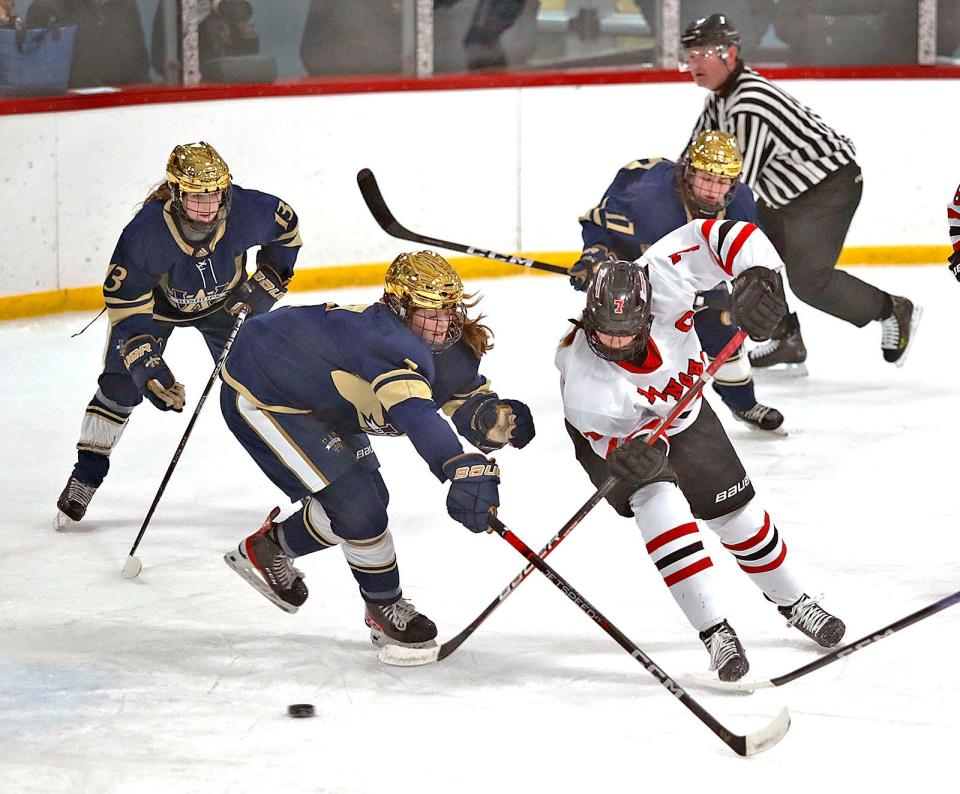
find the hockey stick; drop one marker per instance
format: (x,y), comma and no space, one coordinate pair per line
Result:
(840,653)
(381,213)
(751,744)
(132,565)
(411,657)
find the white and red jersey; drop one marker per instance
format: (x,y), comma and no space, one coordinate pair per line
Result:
(612,401)
(953,220)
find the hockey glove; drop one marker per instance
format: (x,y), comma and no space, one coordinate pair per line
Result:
(637,464)
(757,302)
(588,264)
(490,423)
(141,356)
(954,261)
(473,489)
(259,292)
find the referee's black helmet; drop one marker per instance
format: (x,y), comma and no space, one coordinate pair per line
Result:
(710,31)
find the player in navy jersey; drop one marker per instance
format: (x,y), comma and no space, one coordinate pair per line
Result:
(179,262)
(305,386)
(650,198)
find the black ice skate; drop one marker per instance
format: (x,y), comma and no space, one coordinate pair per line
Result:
(73,502)
(787,349)
(814,621)
(898,329)
(399,624)
(762,417)
(726,652)
(261,561)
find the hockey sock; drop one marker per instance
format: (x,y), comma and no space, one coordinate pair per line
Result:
(675,547)
(755,543)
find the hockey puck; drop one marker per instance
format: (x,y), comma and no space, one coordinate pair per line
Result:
(300,710)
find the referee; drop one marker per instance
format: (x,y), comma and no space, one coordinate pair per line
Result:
(808,186)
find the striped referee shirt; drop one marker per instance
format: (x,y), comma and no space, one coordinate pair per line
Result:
(787,148)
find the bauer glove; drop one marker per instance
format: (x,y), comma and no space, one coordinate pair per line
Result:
(259,292)
(490,423)
(473,489)
(142,358)
(588,264)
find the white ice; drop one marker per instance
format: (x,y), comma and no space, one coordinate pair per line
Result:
(179,680)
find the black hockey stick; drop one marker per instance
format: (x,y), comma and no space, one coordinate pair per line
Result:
(381,213)
(132,565)
(751,744)
(411,657)
(840,653)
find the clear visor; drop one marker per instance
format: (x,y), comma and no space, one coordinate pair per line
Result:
(700,54)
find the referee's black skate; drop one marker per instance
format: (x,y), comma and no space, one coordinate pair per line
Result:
(73,502)
(399,623)
(262,562)
(786,349)
(762,417)
(726,652)
(899,328)
(814,621)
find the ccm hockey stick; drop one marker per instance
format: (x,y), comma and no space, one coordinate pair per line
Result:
(751,744)
(839,653)
(412,657)
(132,565)
(381,213)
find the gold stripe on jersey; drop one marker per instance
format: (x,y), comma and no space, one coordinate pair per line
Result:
(397,391)
(290,239)
(358,308)
(120,308)
(620,223)
(451,405)
(248,395)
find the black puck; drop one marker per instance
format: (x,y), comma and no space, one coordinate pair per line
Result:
(300,710)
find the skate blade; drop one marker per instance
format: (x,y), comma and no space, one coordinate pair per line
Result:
(62,522)
(778,432)
(403,656)
(242,566)
(381,640)
(743,686)
(914,324)
(784,370)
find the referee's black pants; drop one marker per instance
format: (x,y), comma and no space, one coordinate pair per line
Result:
(808,233)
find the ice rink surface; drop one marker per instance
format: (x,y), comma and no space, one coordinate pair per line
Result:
(179,680)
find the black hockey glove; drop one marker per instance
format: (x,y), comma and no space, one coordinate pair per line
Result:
(588,264)
(757,302)
(263,289)
(142,358)
(637,464)
(490,423)
(954,261)
(473,489)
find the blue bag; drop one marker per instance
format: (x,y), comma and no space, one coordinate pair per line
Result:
(35,61)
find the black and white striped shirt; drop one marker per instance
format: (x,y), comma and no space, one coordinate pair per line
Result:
(787,148)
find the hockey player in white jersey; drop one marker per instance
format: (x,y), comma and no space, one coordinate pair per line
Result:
(631,355)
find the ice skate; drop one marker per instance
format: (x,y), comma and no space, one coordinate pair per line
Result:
(261,561)
(899,329)
(763,417)
(814,621)
(72,504)
(399,624)
(726,652)
(786,353)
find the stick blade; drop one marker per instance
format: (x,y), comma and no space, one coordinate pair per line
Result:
(767,737)
(377,205)
(131,567)
(399,656)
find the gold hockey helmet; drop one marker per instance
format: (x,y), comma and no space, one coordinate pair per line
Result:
(716,153)
(425,280)
(197,168)
(712,152)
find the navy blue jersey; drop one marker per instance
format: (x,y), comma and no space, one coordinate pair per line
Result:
(358,368)
(642,205)
(157,274)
